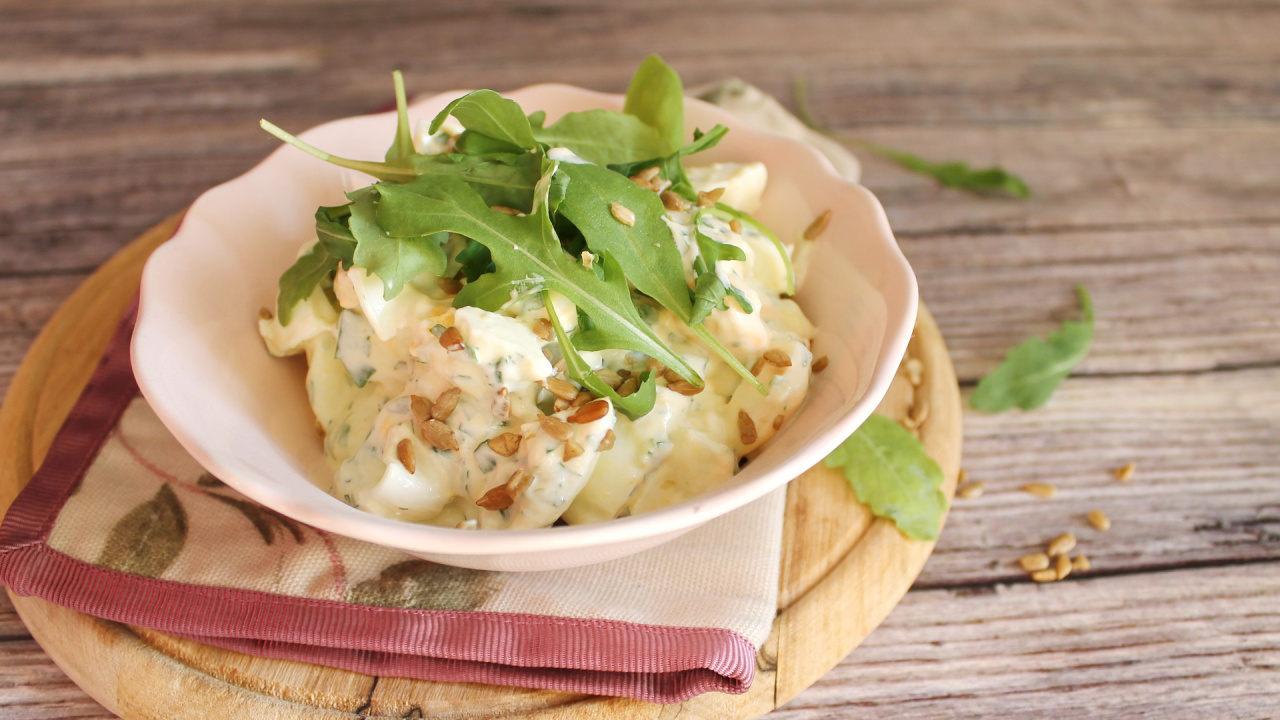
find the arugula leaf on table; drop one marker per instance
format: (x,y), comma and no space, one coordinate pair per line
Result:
(394,259)
(527,256)
(633,406)
(891,474)
(1033,370)
(603,137)
(656,96)
(956,174)
(487,113)
(300,280)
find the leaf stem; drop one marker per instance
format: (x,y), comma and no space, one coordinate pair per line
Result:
(377,169)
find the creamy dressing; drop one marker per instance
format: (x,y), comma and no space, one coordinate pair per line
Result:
(370,356)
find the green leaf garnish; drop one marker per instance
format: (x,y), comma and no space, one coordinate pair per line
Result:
(402,146)
(488,113)
(633,406)
(671,166)
(656,96)
(891,474)
(395,260)
(604,137)
(1033,370)
(527,256)
(300,280)
(956,174)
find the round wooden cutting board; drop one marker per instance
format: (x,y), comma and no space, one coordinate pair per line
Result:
(843,570)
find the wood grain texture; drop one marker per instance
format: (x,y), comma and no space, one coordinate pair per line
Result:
(867,562)
(1149,132)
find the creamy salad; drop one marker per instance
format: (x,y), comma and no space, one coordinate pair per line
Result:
(438,412)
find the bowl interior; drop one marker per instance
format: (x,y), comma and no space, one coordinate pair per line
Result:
(244,414)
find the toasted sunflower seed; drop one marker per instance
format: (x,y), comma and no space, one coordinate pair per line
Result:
(818,226)
(451,286)
(1099,520)
(820,364)
(606,443)
(1034,562)
(505,444)
(1061,545)
(684,387)
(1043,490)
(583,397)
(1046,575)
(555,427)
(673,201)
(451,339)
(777,358)
(264,314)
(404,453)
(518,482)
(445,404)
(1123,474)
(746,428)
(438,435)
(420,407)
(629,386)
(969,491)
(571,450)
(609,377)
(498,498)
(778,420)
(736,225)
(590,412)
(562,389)
(501,405)
(710,197)
(757,366)
(542,328)
(1062,566)
(1080,563)
(622,213)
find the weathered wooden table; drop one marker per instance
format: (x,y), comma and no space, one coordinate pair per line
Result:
(1149,133)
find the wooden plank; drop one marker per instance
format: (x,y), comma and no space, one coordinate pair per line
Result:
(1177,300)
(1187,644)
(1205,489)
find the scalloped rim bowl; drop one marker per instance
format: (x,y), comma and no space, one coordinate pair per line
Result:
(244,415)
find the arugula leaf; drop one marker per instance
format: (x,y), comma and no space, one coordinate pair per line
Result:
(501,178)
(395,260)
(633,406)
(488,113)
(1033,370)
(959,175)
(646,250)
(528,256)
(671,166)
(603,137)
(334,235)
(656,96)
(708,294)
(300,280)
(402,146)
(475,260)
(891,474)
(711,251)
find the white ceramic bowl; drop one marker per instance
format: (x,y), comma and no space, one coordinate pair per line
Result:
(244,414)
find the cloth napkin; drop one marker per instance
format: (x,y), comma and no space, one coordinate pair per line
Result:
(121,523)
